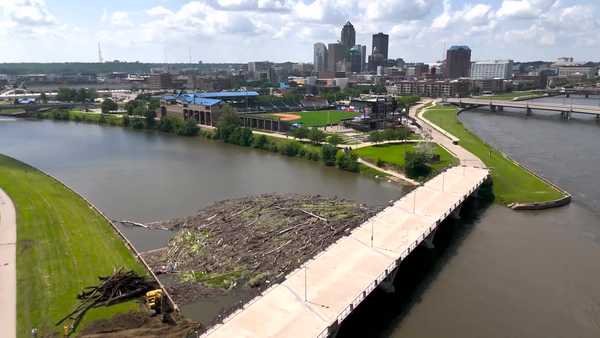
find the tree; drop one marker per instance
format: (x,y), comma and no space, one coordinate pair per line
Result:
(347,160)
(150,119)
(335,139)
(228,122)
(108,105)
(328,153)
(375,136)
(316,135)
(188,128)
(260,142)
(300,132)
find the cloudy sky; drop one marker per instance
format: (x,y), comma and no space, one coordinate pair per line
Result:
(280,30)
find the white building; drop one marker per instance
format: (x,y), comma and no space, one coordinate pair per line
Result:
(496,69)
(320,57)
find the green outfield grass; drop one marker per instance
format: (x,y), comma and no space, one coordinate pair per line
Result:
(62,246)
(322,118)
(512,183)
(394,154)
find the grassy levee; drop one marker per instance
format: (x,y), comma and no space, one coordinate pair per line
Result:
(512,183)
(63,245)
(394,154)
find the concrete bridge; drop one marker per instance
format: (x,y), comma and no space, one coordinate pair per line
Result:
(566,110)
(43,106)
(314,300)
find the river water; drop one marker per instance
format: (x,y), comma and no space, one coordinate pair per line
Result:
(495,273)
(501,273)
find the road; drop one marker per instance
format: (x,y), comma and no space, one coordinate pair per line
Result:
(8,267)
(444,139)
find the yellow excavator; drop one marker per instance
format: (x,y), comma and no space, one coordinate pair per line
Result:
(154,300)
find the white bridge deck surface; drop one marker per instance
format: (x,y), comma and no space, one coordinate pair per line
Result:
(341,276)
(533,105)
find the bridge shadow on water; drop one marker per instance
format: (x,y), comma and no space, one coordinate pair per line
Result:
(381,312)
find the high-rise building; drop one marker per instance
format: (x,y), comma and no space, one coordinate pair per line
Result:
(363,58)
(259,71)
(320,57)
(355,59)
(458,62)
(348,35)
(336,57)
(381,42)
(496,69)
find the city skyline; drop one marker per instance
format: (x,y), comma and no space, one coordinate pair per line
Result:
(242,30)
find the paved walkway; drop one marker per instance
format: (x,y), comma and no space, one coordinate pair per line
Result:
(330,285)
(389,172)
(445,140)
(8,267)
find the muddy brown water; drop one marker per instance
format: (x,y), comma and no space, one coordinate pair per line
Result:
(495,273)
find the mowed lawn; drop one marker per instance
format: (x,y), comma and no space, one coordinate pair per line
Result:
(394,155)
(322,118)
(62,247)
(512,184)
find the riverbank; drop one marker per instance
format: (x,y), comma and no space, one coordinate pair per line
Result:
(62,247)
(513,184)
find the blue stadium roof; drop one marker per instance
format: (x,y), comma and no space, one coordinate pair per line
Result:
(195,99)
(227,94)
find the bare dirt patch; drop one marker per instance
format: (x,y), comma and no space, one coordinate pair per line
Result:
(288,117)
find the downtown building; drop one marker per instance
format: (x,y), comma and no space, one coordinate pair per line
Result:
(496,69)
(458,62)
(425,88)
(320,57)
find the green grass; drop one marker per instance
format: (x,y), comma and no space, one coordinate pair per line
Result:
(512,184)
(62,247)
(322,117)
(531,94)
(394,155)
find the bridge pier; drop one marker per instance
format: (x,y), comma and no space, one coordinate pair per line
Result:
(492,108)
(568,95)
(428,242)
(387,285)
(587,96)
(456,212)
(500,108)
(528,111)
(566,115)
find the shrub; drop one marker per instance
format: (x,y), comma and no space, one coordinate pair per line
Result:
(260,142)
(126,120)
(102,119)
(316,135)
(380,162)
(300,132)
(328,153)
(334,139)
(188,128)
(291,148)
(347,160)
(137,124)
(416,164)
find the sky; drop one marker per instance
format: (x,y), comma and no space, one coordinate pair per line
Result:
(285,30)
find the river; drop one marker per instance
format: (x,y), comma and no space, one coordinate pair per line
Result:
(501,273)
(496,273)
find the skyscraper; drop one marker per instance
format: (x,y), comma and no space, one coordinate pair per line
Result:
(381,42)
(348,35)
(320,57)
(458,62)
(336,57)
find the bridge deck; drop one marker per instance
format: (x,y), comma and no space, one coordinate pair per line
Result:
(592,110)
(339,278)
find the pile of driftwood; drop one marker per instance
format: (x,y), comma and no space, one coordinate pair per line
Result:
(252,242)
(119,287)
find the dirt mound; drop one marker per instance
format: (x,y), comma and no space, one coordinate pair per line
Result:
(140,324)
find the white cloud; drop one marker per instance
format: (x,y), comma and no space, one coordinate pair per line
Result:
(120,19)
(27,13)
